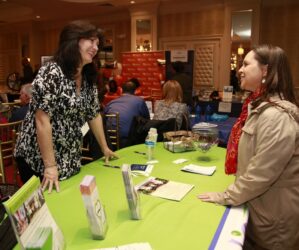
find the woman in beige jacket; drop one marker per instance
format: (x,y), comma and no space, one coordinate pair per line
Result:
(267,176)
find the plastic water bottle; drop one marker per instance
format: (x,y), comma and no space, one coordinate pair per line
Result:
(197,113)
(208,113)
(150,142)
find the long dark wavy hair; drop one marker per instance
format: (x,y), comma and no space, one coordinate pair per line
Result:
(279,78)
(68,55)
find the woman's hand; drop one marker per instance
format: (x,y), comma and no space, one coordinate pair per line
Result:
(109,154)
(213,197)
(50,177)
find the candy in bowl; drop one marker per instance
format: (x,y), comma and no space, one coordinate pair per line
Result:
(205,136)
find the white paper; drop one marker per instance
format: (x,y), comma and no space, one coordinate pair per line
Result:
(178,161)
(199,169)
(152,162)
(225,107)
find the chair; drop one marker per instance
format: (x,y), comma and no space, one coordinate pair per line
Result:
(8,135)
(156,94)
(85,154)
(112,129)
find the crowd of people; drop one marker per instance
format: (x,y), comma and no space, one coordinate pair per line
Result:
(263,149)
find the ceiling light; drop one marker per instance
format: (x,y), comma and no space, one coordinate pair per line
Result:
(37,17)
(240,50)
(132,2)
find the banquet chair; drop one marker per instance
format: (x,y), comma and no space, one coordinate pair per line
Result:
(8,136)
(156,94)
(85,154)
(112,129)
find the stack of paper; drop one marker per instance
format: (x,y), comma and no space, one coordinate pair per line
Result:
(42,239)
(131,192)
(31,219)
(199,169)
(95,211)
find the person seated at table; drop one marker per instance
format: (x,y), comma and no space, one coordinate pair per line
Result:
(264,147)
(128,106)
(64,97)
(19,113)
(171,105)
(113,88)
(138,89)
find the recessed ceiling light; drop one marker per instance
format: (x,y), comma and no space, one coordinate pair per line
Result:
(132,2)
(37,17)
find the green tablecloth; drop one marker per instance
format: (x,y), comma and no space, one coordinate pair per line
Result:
(188,224)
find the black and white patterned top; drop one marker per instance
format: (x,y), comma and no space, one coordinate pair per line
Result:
(164,111)
(56,95)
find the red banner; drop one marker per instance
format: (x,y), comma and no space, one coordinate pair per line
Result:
(145,67)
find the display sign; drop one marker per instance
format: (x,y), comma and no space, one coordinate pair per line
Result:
(179,55)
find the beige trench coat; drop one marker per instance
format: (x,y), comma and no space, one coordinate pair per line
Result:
(268,176)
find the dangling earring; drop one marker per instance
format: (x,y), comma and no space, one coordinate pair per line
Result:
(263,80)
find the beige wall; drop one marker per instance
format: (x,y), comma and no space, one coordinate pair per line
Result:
(280,26)
(201,22)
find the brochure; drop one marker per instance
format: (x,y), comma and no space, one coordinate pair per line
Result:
(131,193)
(42,239)
(199,169)
(94,209)
(164,188)
(141,169)
(30,216)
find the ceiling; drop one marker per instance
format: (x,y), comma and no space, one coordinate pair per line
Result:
(27,10)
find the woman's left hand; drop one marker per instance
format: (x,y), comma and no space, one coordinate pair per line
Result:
(109,154)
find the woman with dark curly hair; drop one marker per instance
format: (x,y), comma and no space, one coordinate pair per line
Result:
(64,97)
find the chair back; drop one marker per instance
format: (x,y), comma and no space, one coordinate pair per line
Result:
(112,129)
(156,94)
(8,135)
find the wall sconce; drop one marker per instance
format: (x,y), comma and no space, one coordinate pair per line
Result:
(240,51)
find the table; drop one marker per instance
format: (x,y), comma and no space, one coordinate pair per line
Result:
(166,225)
(235,111)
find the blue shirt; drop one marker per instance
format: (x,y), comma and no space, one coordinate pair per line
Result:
(18,114)
(127,106)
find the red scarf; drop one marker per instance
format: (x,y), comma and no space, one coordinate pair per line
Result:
(231,160)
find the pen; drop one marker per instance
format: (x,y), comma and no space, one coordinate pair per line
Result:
(110,166)
(141,153)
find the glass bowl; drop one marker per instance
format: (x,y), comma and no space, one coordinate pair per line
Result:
(205,136)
